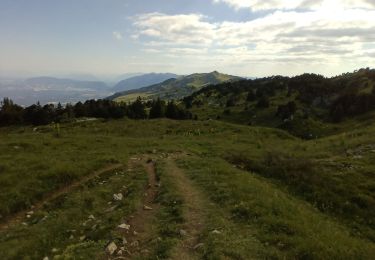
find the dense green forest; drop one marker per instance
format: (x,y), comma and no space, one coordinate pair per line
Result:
(13,114)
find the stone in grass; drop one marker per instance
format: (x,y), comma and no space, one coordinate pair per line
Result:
(216,232)
(118,197)
(111,248)
(124,226)
(147,207)
(183,233)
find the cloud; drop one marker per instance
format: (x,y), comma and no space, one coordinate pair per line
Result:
(309,34)
(117,35)
(180,29)
(261,5)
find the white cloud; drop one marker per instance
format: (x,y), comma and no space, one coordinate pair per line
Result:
(259,5)
(117,35)
(308,37)
(180,29)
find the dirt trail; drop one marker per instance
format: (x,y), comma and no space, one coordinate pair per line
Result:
(195,212)
(19,216)
(141,231)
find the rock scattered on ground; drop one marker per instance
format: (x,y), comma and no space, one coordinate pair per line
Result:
(118,197)
(216,232)
(147,207)
(183,233)
(124,226)
(111,248)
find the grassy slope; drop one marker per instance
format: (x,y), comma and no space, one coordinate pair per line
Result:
(175,89)
(274,211)
(312,117)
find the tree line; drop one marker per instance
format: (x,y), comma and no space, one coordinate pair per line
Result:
(37,114)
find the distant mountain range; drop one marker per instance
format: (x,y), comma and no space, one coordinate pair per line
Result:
(174,88)
(68,90)
(142,81)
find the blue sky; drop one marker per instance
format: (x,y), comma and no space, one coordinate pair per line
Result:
(243,37)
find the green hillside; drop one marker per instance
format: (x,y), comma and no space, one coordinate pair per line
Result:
(175,88)
(307,106)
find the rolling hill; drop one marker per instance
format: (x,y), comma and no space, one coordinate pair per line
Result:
(307,106)
(175,88)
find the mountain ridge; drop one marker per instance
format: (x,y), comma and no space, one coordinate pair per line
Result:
(175,88)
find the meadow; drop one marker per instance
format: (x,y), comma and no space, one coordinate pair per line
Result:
(255,192)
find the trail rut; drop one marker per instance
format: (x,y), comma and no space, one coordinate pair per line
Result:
(195,213)
(19,216)
(140,231)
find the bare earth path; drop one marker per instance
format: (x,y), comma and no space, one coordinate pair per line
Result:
(139,233)
(195,212)
(19,216)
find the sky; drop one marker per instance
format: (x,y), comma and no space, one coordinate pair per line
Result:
(251,38)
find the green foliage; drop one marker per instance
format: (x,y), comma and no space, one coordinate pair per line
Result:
(157,109)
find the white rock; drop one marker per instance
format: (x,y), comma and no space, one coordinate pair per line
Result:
(147,207)
(183,233)
(111,248)
(91,217)
(124,226)
(216,232)
(118,196)
(46,258)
